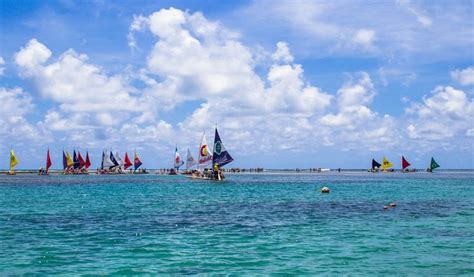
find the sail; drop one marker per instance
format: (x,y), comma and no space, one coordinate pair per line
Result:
(190,162)
(48,161)
(386,163)
(102,161)
(118,159)
(64,160)
(177,159)
(136,161)
(82,163)
(204,154)
(69,161)
(113,160)
(107,163)
(88,161)
(127,162)
(220,155)
(375,164)
(75,160)
(405,163)
(433,164)
(13,160)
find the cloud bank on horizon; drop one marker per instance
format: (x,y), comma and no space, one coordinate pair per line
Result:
(196,72)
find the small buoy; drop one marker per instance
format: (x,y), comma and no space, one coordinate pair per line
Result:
(393,204)
(325,190)
(385,207)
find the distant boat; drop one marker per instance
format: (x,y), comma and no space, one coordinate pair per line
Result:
(386,164)
(375,166)
(13,162)
(433,165)
(178,162)
(190,162)
(45,171)
(136,164)
(405,164)
(205,156)
(220,157)
(127,162)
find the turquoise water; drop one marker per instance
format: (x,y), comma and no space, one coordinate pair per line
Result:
(268,223)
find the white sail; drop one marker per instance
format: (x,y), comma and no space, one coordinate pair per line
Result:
(205,156)
(190,162)
(119,160)
(177,159)
(107,162)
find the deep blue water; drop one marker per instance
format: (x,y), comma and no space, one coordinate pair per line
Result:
(262,223)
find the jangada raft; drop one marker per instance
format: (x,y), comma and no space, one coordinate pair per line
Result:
(220,157)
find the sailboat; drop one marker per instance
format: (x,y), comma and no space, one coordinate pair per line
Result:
(375,166)
(45,171)
(433,165)
(68,163)
(386,165)
(190,162)
(405,165)
(127,162)
(13,162)
(178,162)
(106,163)
(136,164)
(88,161)
(220,157)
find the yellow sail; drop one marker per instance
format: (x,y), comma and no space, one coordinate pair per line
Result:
(13,161)
(69,161)
(386,163)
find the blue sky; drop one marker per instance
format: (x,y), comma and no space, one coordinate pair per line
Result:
(289,83)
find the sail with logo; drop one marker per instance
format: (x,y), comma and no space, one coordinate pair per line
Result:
(205,155)
(220,155)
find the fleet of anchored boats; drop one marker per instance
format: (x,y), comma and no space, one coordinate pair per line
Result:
(386,166)
(113,164)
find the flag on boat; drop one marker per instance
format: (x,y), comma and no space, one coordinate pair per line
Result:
(204,154)
(88,161)
(48,161)
(375,164)
(136,161)
(69,161)
(127,162)
(220,155)
(405,163)
(82,163)
(189,160)
(177,159)
(433,164)
(13,160)
(386,163)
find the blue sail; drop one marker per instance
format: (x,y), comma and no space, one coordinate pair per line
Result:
(113,160)
(76,160)
(220,155)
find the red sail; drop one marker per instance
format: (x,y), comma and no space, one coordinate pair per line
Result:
(88,161)
(405,164)
(48,161)
(127,161)
(82,163)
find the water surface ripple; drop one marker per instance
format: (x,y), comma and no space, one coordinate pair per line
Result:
(252,223)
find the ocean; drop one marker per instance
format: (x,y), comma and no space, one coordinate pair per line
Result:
(276,223)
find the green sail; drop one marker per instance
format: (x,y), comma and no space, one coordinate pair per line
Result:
(433,164)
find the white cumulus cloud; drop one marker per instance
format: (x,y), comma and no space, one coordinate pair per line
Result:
(464,77)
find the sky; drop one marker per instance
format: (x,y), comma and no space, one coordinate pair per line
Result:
(290,84)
